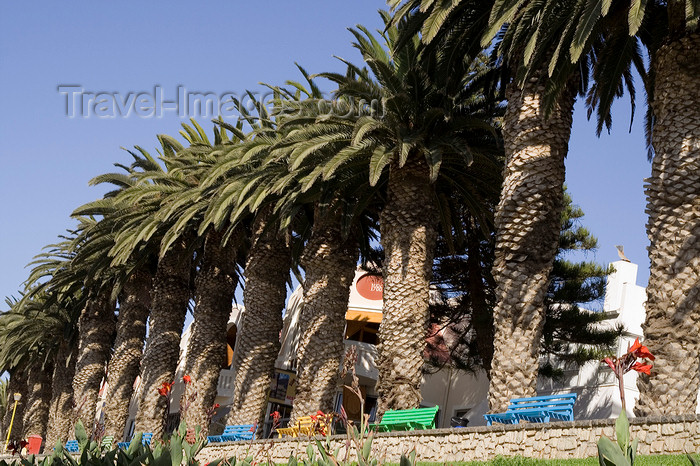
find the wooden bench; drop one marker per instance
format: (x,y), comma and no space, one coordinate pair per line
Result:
(234,433)
(304,426)
(536,409)
(145,440)
(407,419)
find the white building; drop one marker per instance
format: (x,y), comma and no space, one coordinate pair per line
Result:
(457,393)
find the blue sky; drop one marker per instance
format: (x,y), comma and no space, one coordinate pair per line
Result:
(216,46)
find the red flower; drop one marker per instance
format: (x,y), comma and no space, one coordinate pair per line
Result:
(640,351)
(217,405)
(165,388)
(187,379)
(610,363)
(313,418)
(639,367)
(320,413)
(275,416)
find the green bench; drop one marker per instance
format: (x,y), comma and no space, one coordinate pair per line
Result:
(407,419)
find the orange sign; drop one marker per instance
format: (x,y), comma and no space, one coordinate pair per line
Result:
(371,287)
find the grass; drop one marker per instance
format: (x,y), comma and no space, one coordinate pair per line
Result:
(652,460)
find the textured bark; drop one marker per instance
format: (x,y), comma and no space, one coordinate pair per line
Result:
(408,237)
(96,330)
(170,295)
(36,412)
(672,327)
(329,264)
(258,345)
(527,230)
(17,384)
(134,306)
(62,408)
(206,352)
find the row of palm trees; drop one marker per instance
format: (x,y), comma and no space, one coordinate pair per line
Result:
(409,143)
(551,50)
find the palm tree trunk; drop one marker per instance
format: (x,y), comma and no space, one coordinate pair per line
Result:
(408,237)
(258,344)
(170,295)
(134,306)
(96,330)
(329,263)
(527,231)
(61,409)
(672,327)
(36,412)
(206,352)
(17,384)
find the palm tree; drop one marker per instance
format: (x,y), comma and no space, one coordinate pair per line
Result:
(218,257)
(672,329)
(171,291)
(611,33)
(62,403)
(96,327)
(181,205)
(96,318)
(16,384)
(430,124)
(133,286)
(169,300)
(5,398)
(125,363)
(56,309)
(324,216)
(536,128)
(239,186)
(36,413)
(266,274)
(28,334)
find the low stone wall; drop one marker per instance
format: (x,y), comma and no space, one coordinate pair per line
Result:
(577,439)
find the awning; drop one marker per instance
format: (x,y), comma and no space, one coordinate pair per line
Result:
(364,316)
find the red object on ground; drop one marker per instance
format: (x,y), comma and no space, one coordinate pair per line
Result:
(34,446)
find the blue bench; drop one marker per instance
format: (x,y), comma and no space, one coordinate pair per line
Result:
(145,440)
(234,433)
(72,446)
(536,409)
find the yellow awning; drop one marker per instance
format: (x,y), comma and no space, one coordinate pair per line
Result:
(364,316)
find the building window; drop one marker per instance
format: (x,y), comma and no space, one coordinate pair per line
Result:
(364,332)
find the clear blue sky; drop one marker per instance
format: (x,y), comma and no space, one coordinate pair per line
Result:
(48,158)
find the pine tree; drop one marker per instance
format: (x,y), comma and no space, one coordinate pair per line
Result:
(462,309)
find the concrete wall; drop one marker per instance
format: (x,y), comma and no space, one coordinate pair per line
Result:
(578,439)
